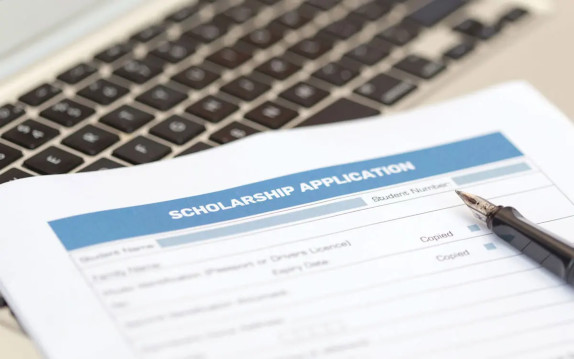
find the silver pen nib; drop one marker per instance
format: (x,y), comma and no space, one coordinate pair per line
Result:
(481,208)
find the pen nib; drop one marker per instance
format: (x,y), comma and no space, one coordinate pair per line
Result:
(481,208)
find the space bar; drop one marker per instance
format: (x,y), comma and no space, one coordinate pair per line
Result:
(435,11)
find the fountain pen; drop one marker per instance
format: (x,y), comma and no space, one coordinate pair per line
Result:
(547,249)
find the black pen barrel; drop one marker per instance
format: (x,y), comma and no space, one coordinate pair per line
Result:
(545,248)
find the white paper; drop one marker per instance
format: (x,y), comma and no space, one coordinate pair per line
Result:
(399,271)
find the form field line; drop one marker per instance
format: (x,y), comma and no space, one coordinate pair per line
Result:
(492,173)
(287,218)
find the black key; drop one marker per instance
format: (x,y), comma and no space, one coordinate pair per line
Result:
(400,34)
(126,118)
(141,150)
(212,109)
(161,97)
(232,132)
(200,146)
(459,51)
(9,113)
(115,52)
(91,140)
(183,14)
(229,57)
(67,113)
(345,28)
(53,161)
(477,29)
(304,94)
(265,37)
(100,165)
(40,95)
(514,14)
(177,129)
(12,175)
(8,155)
(245,88)
(196,77)
(314,47)
(336,74)
(371,53)
(211,30)
(386,89)
(324,4)
(278,68)
(341,110)
(149,33)
(77,73)
(373,10)
(139,71)
(420,67)
(297,18)
(103,92)
(269,2)
(271,115)
(241,13)
(176,51)
(152,59)
(30,134)
(435,11)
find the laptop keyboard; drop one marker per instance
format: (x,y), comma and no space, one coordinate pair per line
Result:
(217,71)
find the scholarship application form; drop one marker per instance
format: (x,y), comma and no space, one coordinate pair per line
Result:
(337,242)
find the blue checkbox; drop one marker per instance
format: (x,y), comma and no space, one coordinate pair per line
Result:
(474,228)
(490,246)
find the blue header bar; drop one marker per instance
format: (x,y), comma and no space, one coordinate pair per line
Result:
(279,193)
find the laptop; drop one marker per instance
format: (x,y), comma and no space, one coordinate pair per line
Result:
(100,84)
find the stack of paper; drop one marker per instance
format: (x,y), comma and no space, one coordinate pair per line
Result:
(343,241)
